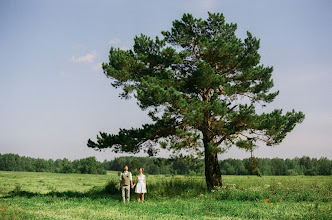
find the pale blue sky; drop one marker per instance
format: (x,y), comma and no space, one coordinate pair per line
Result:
(54,96)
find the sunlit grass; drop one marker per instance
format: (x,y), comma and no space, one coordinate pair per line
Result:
(82,196)
(46,182)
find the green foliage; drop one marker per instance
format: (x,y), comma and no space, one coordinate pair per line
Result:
(178,165)
(90,165)
(291,173)
(14,162)
(193,166)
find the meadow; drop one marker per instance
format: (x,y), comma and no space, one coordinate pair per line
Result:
(30,195)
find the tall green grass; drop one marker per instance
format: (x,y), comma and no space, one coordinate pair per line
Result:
(274,189)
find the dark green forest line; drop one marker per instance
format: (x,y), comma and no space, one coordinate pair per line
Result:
(184,166)
(15,162)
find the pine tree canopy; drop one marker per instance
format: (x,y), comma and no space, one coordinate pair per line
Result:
(201,85)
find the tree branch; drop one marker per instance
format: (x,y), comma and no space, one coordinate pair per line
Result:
(243,135)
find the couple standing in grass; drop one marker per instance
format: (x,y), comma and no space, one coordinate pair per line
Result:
(126,182)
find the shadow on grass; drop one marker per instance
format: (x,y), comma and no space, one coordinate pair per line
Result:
(107,192)
(158,190)
(92,194)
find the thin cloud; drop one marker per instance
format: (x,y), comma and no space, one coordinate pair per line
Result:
(66,75)
(201,8)
(96,67)
(87,58)
(115,41)
(207,5)
(123,45)
(91,59)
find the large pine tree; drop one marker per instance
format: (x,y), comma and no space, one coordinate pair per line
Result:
(201,85)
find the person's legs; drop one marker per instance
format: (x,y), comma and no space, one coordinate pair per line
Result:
(142,197)
(138,197)
(123,193)
(128,193)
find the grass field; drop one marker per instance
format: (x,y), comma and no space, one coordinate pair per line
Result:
(26,195)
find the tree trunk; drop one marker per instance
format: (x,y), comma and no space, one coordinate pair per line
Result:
(212,169)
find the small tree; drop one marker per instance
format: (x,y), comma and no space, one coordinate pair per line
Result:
(201,85)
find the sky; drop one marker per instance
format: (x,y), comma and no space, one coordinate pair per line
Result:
(54,95)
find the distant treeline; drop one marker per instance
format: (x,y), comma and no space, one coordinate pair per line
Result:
(269,167)
(14,162)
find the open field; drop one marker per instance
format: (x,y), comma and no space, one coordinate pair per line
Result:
(26,195)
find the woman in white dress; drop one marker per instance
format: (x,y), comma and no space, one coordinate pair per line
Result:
(140,184)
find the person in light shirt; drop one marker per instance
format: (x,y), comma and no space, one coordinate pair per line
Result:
(126,181)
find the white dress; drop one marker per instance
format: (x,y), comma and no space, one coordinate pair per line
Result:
(140,186)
